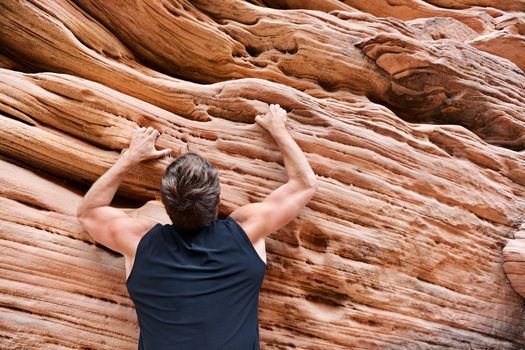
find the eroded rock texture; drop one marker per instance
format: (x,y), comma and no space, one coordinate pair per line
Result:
(514,261)
(412,114)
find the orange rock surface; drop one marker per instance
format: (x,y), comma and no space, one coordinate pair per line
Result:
(412,114)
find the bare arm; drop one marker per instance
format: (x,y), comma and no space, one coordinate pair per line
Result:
(282,205)
(110,226)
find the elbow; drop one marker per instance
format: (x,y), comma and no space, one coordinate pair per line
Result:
(313,187)
(310,185)
(306,183)
(314,182)
(80,217)
(83,209)
(83,218)
(311,181)
(81,212)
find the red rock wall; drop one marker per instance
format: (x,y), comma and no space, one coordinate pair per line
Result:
(411,113)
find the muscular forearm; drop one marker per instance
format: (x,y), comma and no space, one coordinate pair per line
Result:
(297,167)
(103,190)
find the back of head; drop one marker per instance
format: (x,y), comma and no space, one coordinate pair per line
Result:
(190,191)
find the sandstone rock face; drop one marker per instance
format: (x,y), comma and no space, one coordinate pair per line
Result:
(412,114)
(514,261)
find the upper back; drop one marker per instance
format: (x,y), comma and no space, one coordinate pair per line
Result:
(197,286)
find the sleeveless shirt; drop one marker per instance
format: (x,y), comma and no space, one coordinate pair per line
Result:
(197,291)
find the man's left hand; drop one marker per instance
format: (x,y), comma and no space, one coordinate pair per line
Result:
(142,146)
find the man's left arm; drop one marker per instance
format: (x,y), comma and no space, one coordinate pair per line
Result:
(109,226)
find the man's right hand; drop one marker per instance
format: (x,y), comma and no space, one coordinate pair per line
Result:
(274,120)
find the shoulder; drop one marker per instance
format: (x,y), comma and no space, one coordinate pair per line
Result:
(252,218)
(133,226)
(240,221)
(129,231)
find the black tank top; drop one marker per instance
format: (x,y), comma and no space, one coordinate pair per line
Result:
(197,291)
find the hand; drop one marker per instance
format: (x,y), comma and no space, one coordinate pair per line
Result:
(273,120)
(142,146)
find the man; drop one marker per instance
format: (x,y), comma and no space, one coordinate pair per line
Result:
(195,283)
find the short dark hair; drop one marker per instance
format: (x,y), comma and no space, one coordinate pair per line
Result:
(190,190)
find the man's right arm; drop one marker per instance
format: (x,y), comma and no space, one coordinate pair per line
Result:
(282,205)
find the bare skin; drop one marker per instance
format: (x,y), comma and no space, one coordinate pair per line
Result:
(282,205)
(115,229)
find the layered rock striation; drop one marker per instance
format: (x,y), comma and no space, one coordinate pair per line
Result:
(412,114)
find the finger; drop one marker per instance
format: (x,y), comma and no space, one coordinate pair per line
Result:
(184,149)
(163,152)
(154,134)
(149,130)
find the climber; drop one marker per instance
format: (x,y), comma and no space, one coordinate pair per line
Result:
(195,283)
